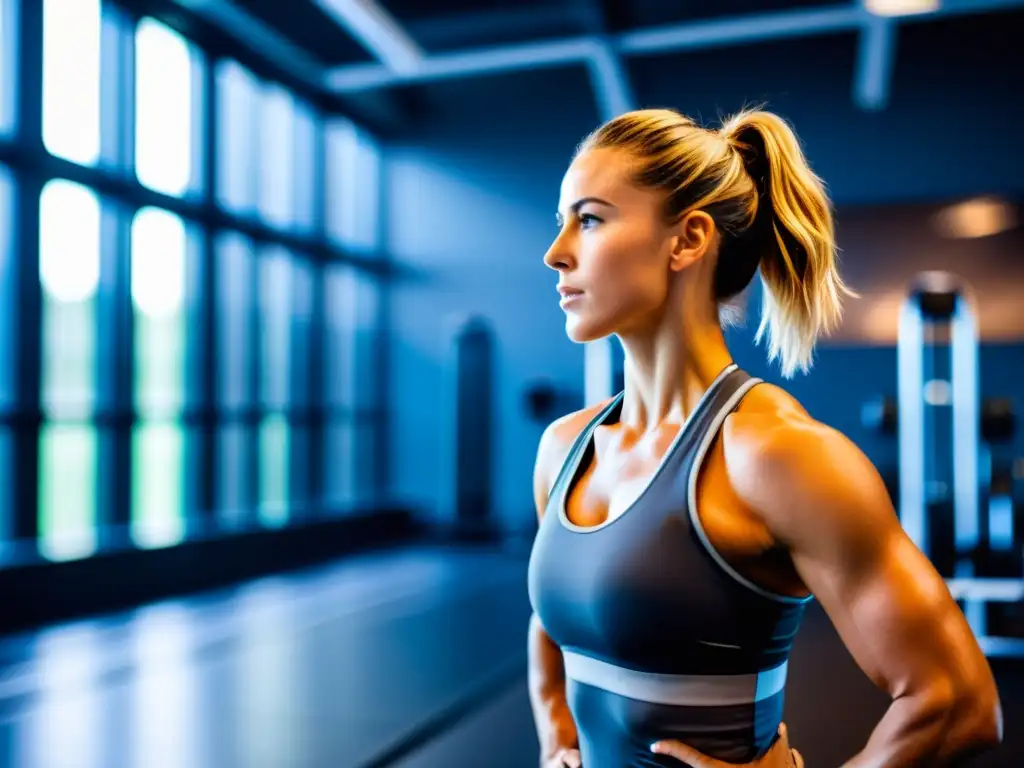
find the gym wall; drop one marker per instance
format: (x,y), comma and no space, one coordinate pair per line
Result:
(472,196)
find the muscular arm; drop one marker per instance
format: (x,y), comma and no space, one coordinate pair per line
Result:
(546,676)
(824,501)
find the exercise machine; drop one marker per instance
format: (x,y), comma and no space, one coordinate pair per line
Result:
(944,485)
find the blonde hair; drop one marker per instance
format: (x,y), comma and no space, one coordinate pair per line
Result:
(771,209)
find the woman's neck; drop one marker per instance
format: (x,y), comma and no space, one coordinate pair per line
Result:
(669,368)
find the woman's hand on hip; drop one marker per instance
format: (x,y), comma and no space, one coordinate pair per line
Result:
(779,756)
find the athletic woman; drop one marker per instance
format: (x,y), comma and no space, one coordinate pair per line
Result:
(687,522)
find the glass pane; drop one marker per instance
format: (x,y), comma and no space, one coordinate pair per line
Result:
(234,315)
(274,470)
(234,454)
(305,168)
(302,325)
(159,249)
(158,484)
(8,63)
(71,79)
(163,108)
(352,186)
(350,357)
(299,503)
(276,158)
(67,491)
(69,268)
(6,288)
(275,309)
(349,465)
(237,123)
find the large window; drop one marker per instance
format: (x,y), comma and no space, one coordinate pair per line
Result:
(8,64)
(69,270)
(168,113)
(286,160)
(351,386)
(276,170)
(71,79)
(237,123)
(136,432)
(352,187)
(276,291)
(236,315)
(159,258)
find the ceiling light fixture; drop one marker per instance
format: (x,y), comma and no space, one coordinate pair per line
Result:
(901,7)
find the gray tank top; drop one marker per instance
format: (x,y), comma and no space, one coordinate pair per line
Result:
(661,637)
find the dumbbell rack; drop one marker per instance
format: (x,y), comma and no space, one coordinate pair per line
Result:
(948,527)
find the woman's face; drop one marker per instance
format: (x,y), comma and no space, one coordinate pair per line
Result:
(614,253)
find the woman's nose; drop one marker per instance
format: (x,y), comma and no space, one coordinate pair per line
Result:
(559,255)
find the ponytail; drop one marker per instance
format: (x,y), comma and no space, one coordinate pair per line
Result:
(791,237)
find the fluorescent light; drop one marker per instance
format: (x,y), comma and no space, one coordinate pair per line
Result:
(900,7)
(980,217)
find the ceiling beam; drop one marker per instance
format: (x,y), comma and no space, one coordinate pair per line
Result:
(482,61)
(377,31)
(655,40)
(611,84)
(740,30)
(876,59)
(609,78)
(737,30)
(258,37)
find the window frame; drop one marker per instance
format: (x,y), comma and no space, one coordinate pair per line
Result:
(113,179)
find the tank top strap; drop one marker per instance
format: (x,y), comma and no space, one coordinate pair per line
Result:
(580,444)
(722,398)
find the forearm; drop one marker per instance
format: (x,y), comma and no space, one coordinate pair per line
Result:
(555,727)
(923,730)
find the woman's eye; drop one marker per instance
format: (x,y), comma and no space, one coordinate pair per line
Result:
(588,220)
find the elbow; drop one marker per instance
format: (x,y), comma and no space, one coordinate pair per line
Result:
(974,721)
(985,719)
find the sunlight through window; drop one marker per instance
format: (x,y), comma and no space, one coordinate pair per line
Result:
(71,79)
(158,262)
(159,245)
(69,268)
(352,185)
(276,158)
(237,123)
(163,109)
(69,241)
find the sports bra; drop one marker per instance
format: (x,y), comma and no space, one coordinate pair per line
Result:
(661,638)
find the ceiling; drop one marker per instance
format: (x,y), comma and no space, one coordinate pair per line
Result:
(445,26)
(384,59)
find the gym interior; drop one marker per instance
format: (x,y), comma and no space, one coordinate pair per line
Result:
(277,347)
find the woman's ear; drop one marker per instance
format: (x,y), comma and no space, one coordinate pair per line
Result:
(694,235)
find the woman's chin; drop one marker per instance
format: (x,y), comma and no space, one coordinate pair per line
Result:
(581,332)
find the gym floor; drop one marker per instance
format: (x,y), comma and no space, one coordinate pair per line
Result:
(412,658)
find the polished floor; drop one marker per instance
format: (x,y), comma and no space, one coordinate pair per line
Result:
(414,658)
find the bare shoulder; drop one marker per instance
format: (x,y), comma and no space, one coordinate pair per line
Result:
(796,473)
(555,444)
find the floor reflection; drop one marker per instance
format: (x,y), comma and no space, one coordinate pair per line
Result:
(292,671)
